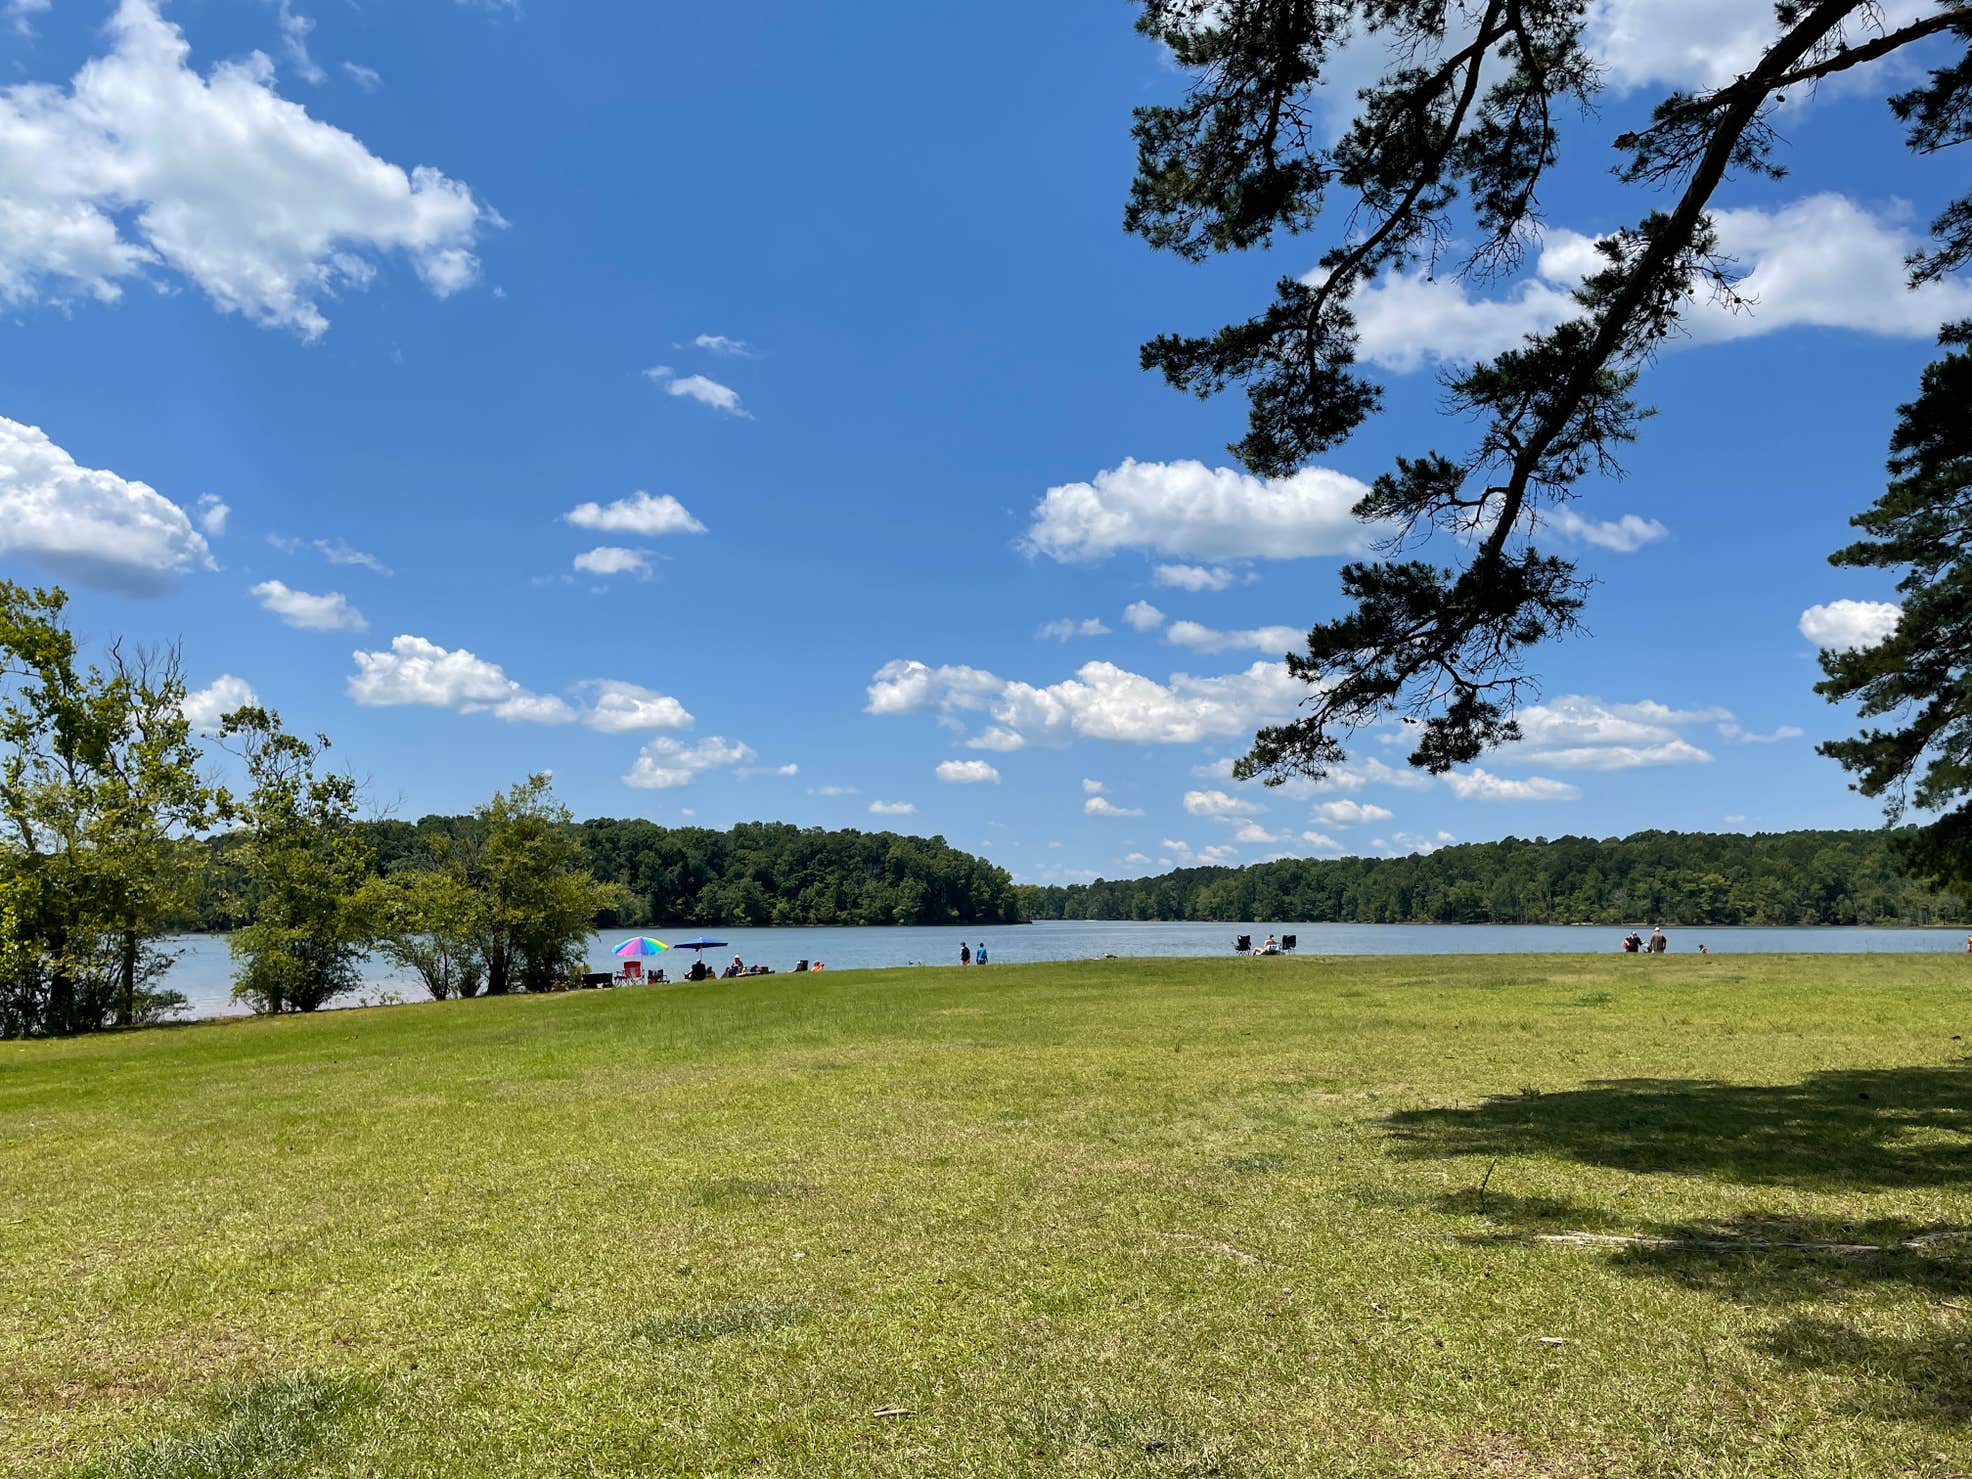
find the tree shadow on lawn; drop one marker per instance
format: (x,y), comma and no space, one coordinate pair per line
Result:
(1847,1130)
(1852,1131)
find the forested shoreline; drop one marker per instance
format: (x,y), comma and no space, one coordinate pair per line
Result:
(753,873)
(1776,878)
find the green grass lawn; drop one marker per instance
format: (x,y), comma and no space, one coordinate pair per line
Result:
(1167,1218)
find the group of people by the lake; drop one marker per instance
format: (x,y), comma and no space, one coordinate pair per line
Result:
(1657,944)
(969,956)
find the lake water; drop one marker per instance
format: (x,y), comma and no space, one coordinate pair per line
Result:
(204,969)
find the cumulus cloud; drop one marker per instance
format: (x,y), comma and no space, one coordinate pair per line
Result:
(1102,806)
(1092,788)
(1847,626)
(1219,804)
(1695,43)
(141,166)
(664,764)
(721,345)
(616,707)
(341,552)
(1102,701)
(86,524)
(700,388)
(1322,842)
(1142,616)
(1578,732)
(1068,627)
(1190,511)
(1350,813)
(1193,578)
(640,513)
(212,514)
(1481,785)
(1821,262)
(967,772)
(203,708)
(1275,640)
(892,808)
(415,671)
(1742,736)
(613,559)
(1625,535)
(330,612)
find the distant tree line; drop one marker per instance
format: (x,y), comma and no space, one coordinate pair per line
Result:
(1848,877)
(755,873)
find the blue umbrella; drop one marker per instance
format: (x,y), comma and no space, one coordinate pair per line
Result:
(699,945)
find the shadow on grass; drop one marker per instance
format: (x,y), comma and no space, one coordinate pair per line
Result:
(1849,1130)
(269,1430)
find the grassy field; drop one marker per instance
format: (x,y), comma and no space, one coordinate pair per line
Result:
(1165,1218)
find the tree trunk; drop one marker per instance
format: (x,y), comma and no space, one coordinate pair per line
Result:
(126,983)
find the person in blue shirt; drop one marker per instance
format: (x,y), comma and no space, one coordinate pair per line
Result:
(981,957)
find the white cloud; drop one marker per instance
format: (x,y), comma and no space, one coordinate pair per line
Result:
(1218,856)
(613,559)
(1274,640)
(832,791)
(1822,262)
(1142,616)
(1322,842)
(664,764)
(1355,774)
(367,78)
(720,344)
(996,738)
(1068,626)
(788,769)
(1219,804)
(1846,626)
(892,808)
(1092,788)
(707,392)
(1696,43)
(1350,813)
(22,13)
(1188,510)
(295,30)
(1578,732)
(212,514)
(967,772)
(1482,785)
(141,165)
(203,708)
(638,514)
(417,671)
(1102,806)
(1136,857)
(1739,735)
(86,524)
(1252,833)
(617,707)
(341,552)
(1625,535)
(330,612)
(1414,842)
(1618,757)
(1193,578)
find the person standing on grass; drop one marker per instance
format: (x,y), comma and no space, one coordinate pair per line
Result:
(982,952)
(1658,944)
(965,953)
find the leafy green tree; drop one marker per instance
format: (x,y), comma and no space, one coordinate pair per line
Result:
(99,792)
(535,902)
(1470,110)
(306,858)
(1922,673)
(428,919)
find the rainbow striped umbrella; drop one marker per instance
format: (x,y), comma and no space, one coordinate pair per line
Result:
(641,945)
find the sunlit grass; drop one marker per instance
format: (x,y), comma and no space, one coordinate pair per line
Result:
(1186,1217)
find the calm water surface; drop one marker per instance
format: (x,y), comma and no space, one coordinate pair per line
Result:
(204,969)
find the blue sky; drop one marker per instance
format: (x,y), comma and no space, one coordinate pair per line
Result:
(735,411)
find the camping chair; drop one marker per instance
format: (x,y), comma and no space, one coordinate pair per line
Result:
(1286,943)
(633,970)
(1243,944)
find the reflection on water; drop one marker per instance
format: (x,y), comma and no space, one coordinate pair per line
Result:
(204,970)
